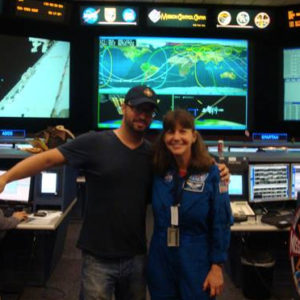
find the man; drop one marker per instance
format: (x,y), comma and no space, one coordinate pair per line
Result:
(117,166)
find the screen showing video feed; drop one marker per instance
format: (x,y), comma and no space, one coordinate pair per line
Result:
(34,78)
(208,77)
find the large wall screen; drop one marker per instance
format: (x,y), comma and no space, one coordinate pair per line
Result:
(34,78)
(291,78)
(208,77)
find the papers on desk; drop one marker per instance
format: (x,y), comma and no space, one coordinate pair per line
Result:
(241,207)
(48,219)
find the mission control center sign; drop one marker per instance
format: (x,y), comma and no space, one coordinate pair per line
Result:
(176,17)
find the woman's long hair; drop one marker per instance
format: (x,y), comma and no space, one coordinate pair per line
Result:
(163,159)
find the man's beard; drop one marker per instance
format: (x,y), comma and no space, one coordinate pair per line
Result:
(133,127)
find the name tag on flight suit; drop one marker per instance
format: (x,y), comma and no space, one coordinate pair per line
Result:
(173,232)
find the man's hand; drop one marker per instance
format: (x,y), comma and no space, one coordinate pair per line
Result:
(224,173)
(214,281)
(20,215)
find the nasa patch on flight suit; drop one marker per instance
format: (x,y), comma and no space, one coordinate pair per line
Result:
(223,187)
(195,183)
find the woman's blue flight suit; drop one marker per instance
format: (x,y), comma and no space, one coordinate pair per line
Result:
(204,226)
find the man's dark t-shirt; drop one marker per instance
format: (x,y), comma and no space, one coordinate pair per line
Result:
(118,186)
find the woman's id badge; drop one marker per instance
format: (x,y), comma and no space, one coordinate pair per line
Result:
(173,237)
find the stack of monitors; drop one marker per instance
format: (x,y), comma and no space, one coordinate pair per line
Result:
(208,77)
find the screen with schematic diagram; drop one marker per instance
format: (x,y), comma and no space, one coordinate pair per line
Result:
(206,76)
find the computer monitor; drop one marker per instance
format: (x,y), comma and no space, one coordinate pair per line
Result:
(17,191)
(49,183)
(269,182)
(236,185)
(295,180)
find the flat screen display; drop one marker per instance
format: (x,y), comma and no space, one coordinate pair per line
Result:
(291,83)
(49,183)
(295,180)
(236,185)
(208,77)
(269,182)
(16,191)
(34,77)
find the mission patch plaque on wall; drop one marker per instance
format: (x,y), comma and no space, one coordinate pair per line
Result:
(295,249)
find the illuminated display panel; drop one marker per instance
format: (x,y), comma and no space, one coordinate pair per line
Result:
(293,16)
(41,10)
(235,187)
(208,77)
(295,182)
(243,19)
(291,83)
(108,15)
(176,17)
(49,183)
(16,191)
(34,78)
(269,182)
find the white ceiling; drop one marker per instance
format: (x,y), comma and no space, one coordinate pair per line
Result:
(221,2)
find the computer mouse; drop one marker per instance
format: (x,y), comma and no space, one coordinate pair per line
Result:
(40,214)
(282,224)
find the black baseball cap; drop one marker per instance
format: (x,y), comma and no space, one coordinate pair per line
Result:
(141,94)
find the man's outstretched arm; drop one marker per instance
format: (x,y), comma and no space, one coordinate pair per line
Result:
(31,166)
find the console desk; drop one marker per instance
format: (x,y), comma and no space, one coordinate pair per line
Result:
(254,224)
(29,253)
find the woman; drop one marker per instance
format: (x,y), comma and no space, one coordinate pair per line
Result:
(191,213)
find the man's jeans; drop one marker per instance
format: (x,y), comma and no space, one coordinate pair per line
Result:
(122,277)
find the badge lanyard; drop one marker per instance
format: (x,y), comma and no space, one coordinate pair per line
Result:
(173,230)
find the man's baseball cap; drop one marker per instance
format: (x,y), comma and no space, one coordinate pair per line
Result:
(141,94)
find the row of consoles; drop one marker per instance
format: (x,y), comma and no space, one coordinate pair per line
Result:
(29,254)
(261,180)
(52,190)
(263,183)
